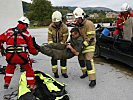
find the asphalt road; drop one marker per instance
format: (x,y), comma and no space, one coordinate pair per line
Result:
(114,79)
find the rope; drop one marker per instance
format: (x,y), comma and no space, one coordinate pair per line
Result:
(11,96)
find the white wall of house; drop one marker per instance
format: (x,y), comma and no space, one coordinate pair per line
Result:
(10,12)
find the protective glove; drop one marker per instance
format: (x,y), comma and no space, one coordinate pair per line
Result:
(35,44)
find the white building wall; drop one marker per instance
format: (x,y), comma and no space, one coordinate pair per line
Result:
(10,12)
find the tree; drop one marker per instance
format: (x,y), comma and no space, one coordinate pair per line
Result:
(25,7)
(40,11)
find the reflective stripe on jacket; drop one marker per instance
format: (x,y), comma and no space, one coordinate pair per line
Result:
(89,49)
(87,30)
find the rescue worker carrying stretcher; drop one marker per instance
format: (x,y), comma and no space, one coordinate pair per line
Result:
(63,51)
(87,30)
(18,46)
(58,33)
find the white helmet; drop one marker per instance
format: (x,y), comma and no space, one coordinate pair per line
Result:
(78,12)
(56,16)
(24,20)
(125,7)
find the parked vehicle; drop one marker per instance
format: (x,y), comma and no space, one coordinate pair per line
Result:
(114,47)
(70,20)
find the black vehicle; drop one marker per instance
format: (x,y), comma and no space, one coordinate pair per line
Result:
(114,47)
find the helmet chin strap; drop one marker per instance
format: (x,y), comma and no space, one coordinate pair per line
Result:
(58,26)
(80,24)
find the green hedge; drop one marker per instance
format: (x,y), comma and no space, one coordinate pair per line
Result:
(39,24)
(103,20)
(48,21)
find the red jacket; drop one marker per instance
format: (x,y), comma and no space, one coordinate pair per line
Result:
(5,37)
(121,18)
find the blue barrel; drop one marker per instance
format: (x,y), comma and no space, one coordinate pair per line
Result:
(105,32)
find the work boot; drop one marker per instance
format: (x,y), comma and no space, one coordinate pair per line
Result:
(84,75)
(92,83)
(6,86)
(65,75)
(56,75)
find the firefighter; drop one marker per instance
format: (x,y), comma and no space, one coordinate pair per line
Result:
(87,30)
(18,46)
(122,17)
(58,33)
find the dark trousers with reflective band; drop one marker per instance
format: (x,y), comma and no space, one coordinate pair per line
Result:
(87,64)
(83,66)
(63,64)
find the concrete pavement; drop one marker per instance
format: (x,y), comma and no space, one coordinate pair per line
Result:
(114,80)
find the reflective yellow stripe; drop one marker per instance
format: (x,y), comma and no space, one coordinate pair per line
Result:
(55,80)
(10,51)
(13,51)
(91,32)
(19,50)
(93,71)
(55,66)
(19,47)
(89,49)
(49,83)
(16,49)
(61,42)
(23,45)
(50,42)
(64,68)
(85,43)
(49,32)
(65,34)
(11,48)
(83,68)
(86,51)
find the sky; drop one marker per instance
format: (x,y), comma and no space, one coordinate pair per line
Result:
(29,1)
(112,4)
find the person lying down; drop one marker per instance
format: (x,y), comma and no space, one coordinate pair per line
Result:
(63,51)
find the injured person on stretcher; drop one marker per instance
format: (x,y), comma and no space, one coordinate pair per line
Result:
(63,51)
